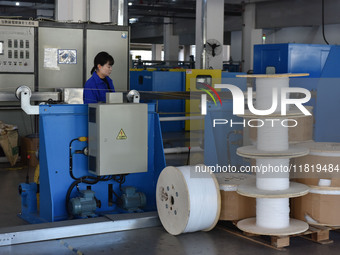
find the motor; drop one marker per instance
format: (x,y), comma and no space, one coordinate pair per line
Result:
(132,200)
(85,205)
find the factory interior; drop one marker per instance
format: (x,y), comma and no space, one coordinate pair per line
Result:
(220,133)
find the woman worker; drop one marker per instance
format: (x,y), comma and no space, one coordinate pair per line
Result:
(99,83)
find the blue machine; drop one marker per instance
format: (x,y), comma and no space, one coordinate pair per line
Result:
(322,63)
(59,124)
(327,124)
(221,142)
(162,81)
(293,58)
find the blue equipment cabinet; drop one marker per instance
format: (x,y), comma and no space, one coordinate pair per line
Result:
(327,125)
(163,81)
(291,58)
(298,58)
(59,124)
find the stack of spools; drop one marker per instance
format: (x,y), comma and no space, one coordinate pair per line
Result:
(320,170)
(272,152)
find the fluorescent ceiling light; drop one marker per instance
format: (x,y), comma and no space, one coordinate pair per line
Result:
(133,20)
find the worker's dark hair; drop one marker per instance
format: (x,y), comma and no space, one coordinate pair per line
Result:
(101,59)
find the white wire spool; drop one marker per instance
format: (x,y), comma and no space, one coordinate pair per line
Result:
(272,137)
(187,200)
(272,154)
(272,174)
(272,213)
(264,92)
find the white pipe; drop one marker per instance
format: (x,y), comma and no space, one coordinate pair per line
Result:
(181,118)
(182,150)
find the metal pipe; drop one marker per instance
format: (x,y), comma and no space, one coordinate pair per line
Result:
(204,32)
(36,96)
(182,150)
(81,227)
(181,118)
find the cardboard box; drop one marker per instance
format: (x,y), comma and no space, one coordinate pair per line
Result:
(323,162)
(233,205)
(302,132)
(30,146)
(236,207)
(323,209)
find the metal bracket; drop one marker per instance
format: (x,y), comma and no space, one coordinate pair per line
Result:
(24,94)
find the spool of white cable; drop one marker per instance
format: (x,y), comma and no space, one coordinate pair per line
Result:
(272,137)
(272,213)
(264,92)
(272,174)
(272,155)
(188,199)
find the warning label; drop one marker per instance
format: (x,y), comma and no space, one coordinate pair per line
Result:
(121,135)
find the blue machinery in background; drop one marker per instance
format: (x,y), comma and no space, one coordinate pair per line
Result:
(322,62)
(59,124)
(220,143)
(162,81)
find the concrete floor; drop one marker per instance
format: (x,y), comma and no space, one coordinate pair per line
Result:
(143,241)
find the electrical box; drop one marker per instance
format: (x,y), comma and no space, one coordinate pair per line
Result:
(17,48)
(118,138)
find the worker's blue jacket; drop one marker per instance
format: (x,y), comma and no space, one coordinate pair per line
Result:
(95,89)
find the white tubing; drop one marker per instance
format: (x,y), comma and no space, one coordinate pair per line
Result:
(187,200)
(272,137)
(264,92)
(203,200)
(325,191)
(325,154)
(225,187)
(182,150)
(272,174)
(272,213)
(325,182)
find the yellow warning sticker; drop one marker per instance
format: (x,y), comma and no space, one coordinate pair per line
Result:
(121,135)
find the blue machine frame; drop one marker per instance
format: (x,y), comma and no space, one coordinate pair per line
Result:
(59,124)
(162,81)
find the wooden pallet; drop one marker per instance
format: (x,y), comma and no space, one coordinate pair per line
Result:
(317,234)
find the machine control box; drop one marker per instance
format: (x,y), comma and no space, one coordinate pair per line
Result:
(118,138)
(17,49)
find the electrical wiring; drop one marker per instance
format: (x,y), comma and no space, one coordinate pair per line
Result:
(323,21)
